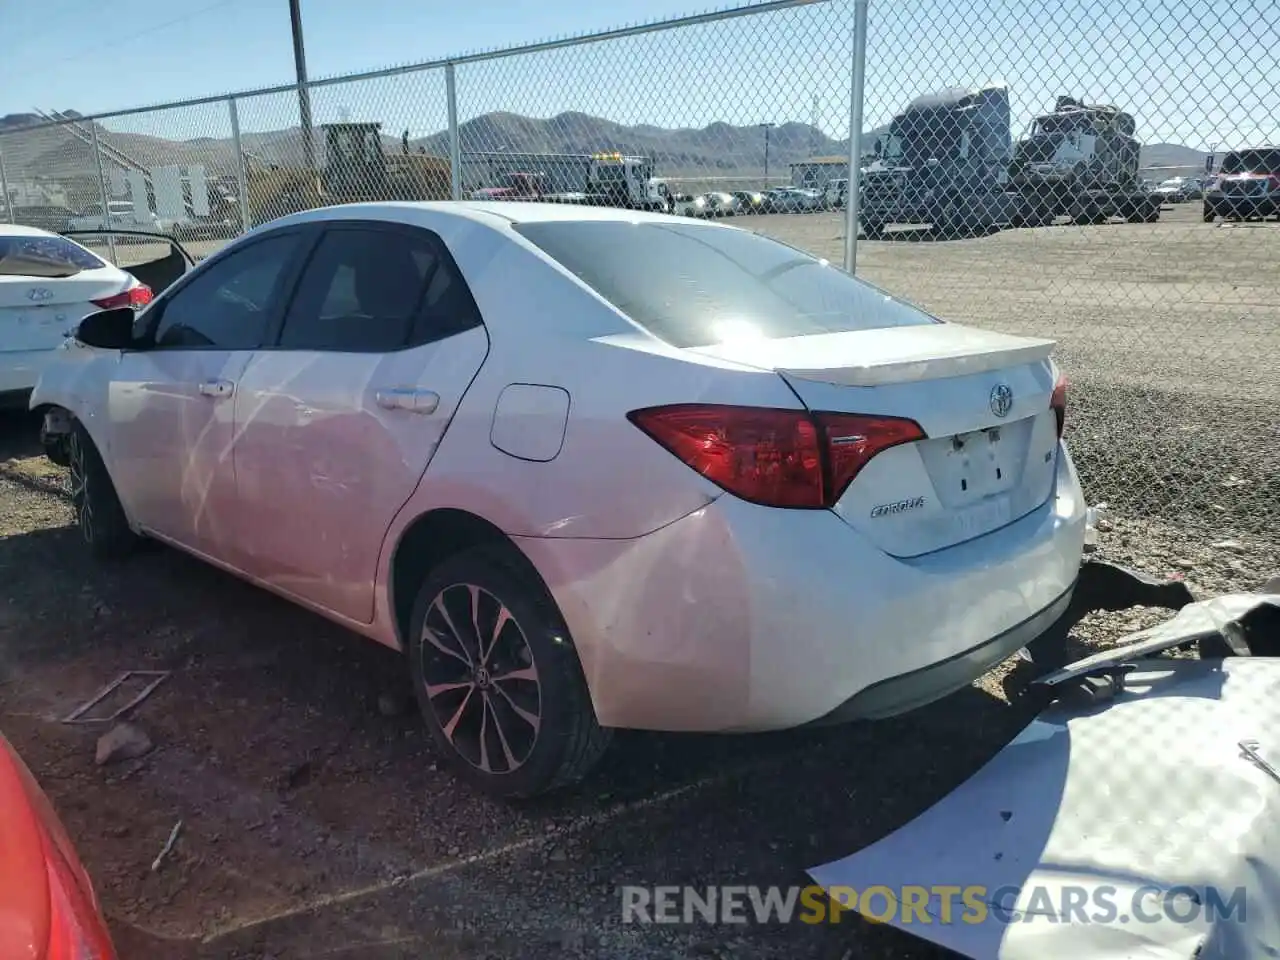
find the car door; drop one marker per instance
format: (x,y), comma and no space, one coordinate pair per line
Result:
(336,425)
(171,401)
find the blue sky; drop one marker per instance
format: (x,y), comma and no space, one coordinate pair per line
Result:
(1191,71)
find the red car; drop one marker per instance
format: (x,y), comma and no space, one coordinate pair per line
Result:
(48,910)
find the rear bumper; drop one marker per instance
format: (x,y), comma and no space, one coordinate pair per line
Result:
(739,617)
(1222,205)
(20,369)
(918,688)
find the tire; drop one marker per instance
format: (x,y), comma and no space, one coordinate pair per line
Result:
(99,516)
(1208,214)
(533,733)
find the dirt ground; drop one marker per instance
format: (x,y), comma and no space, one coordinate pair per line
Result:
(319,822)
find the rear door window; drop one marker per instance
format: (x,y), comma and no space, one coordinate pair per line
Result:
(697,285)
(375,290)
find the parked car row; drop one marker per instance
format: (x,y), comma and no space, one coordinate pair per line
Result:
(734,203)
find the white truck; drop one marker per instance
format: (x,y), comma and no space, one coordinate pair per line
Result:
(615,180)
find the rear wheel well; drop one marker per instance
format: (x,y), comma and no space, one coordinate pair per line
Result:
(429,541)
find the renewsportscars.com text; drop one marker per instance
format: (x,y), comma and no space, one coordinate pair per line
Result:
(945,904)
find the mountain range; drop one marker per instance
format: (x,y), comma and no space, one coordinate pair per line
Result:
(719,149)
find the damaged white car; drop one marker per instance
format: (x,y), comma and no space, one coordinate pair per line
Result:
(1137,817)
(590,468)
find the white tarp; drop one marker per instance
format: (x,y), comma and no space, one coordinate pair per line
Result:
(199,190)
(167,184)
(1094,833)
(138,193)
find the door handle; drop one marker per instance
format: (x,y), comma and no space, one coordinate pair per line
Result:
(408,398)
(217,388)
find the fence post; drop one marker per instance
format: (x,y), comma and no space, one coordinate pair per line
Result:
(857,82)
(4,191)
(455,148)
(242,175)
(102,192)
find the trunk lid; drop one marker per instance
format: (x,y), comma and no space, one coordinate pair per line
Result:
(982,399)
(37,313)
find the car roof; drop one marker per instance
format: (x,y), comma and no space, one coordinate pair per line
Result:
(18,230)
(493,213)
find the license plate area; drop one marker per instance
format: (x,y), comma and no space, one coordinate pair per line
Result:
(971,467)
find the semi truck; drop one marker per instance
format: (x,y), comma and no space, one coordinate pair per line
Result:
(943,162)
(948,161)
(1081,162)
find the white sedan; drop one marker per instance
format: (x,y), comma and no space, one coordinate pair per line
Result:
(48,284)
(589,468)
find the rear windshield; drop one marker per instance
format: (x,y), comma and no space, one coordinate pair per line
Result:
(694,286)
(1252,161)
(49,257)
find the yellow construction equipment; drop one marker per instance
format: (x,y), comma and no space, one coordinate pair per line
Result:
(356,169)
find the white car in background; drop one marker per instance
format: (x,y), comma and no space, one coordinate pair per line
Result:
(48,284)
(492,436)
(121,215)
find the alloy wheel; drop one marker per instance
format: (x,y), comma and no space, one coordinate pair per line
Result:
(480,678)
(79,477)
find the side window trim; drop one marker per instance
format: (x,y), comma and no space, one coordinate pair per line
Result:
(444,258)
(293,270)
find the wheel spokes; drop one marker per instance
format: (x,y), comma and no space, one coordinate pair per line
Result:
(510,757)
(480,679)
(532,719)
(504,617)
(437,689)
(464,650)
(452,725)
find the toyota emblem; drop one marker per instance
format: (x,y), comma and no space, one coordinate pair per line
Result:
(1001,400)
(39,294)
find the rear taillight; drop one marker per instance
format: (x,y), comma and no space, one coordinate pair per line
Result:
(135,297)
(1058,403)
(779,458)
(76,930)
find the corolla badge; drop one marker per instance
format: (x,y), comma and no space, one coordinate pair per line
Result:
(1001,399)
(39,294)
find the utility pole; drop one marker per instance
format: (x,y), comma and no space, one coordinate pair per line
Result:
(815,134)
(766,127)
(304,92)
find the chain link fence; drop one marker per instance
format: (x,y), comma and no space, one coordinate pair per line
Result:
(1097,174)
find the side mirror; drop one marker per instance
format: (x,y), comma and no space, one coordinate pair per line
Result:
(107,330)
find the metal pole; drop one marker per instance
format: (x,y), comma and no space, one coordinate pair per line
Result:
(856,86)
(766,127)
(455,148)
(304,92)
(242,174)
(4,189)
(102,192)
